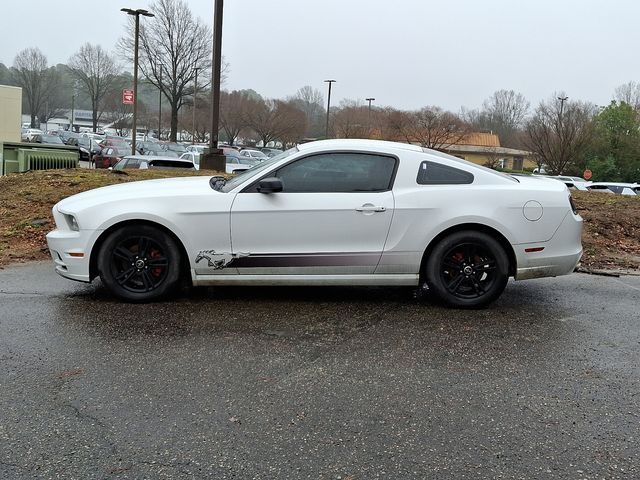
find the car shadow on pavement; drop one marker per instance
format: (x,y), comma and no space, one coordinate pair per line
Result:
(313,316)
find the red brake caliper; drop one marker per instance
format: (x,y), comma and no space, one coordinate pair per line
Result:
(157,271)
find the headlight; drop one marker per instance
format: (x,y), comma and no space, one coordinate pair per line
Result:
(71,222)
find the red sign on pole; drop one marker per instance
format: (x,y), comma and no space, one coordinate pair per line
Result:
(587,174)
(127,97)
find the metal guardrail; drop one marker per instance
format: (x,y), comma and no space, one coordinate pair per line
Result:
(22,157)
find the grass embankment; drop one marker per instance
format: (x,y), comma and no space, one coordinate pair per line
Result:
(26,201)
(611,237)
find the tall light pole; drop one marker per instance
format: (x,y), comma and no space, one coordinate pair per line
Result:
(215,80)
(326,134)
(161,67)
(135,13)
(370,99)
(561,132)
(562,100)
(73,104)
(195,90)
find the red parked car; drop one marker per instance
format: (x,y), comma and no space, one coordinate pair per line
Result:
(108,157)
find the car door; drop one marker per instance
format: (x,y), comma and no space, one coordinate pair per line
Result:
(332,217)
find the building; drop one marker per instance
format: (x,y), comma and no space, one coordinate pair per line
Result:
(485,149)
(10,113)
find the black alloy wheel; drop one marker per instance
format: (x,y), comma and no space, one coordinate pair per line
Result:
(468,269)
(139,263)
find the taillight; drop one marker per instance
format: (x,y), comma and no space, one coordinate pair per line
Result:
(573,206)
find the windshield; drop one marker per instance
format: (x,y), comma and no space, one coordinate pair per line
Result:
(255,171)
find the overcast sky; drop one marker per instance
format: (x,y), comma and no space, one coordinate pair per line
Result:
(405,53)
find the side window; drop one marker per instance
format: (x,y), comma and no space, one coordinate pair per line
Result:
(338,172)
(133,163)
(432,173)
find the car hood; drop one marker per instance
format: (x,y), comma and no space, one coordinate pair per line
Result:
(161,188)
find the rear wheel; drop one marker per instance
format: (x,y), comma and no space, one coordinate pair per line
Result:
(139,263)
(467,269)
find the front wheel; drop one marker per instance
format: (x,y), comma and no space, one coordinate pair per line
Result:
(139,263)
(467,269)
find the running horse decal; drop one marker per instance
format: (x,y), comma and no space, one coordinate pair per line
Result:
(218,261)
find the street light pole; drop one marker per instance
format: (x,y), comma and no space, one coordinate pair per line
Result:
(215,81)
(161,67)
(195,90)
(135,13)
(326,134)
(562,100)
(371,99)
(73,104)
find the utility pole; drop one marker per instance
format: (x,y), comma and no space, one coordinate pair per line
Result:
(73,105)
(562,100)
(326,134)
(161,67)
(214,160)
(371,99)
(135,13)
(195,90)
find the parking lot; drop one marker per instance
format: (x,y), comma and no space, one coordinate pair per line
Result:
(349,383)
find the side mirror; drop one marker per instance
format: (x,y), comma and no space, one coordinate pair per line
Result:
(270,185)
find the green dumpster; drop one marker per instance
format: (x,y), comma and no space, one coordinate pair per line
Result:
(22,157)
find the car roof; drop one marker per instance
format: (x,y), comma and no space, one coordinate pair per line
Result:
(357,143)
(149,158)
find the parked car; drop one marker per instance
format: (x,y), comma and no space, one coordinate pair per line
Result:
(334,212)
(255,154)
(108,157)
(616,188)
(149,162)
(27,134)
(66,136)
(144,146)
(159,152)
(48,139)
(572,183)
(197,148)
(233,164)
(271,152)
(89,148)
(174,147)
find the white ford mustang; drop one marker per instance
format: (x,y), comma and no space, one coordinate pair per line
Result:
(334,212)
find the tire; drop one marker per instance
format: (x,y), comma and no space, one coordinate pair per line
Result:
(139,263)
(467,269)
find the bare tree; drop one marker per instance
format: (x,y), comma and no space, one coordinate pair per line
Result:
(275,120)
(559,134)
(628,93)
(493,157)
(311,101)
(172,45)
(96,70)
(351,120)
(503,113)
(234,108)
(119,115)
(430,127)
(38,82)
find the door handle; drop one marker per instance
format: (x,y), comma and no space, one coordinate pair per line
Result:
(370,208)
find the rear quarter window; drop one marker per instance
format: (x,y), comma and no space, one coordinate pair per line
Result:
(432,173)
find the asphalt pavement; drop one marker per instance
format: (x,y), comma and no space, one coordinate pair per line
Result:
(330,383)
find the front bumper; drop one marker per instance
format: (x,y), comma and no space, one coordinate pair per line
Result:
(70,253)
(560,256)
